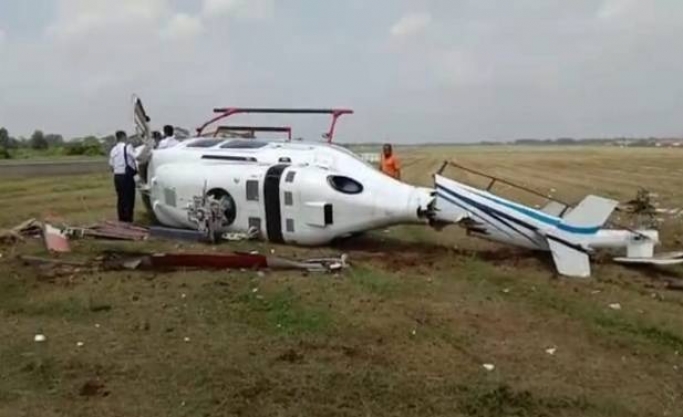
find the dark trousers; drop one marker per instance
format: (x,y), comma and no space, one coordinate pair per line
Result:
(125,193)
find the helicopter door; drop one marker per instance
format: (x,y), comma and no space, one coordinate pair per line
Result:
(291,207)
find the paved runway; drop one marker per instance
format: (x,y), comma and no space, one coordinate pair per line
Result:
(28,168)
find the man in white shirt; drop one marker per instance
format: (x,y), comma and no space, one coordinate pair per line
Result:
(169,139)
(122,163)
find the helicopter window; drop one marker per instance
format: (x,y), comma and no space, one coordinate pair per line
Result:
(290,176)
(230,158)
(244,144)
(285,160)
(204,143)
(252,190)
(289,199)
(290,225)
(345,185)
(170,197)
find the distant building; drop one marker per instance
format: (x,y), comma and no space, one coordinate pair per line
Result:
(370,157)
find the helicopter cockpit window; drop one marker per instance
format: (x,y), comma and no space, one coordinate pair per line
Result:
(244,144)
(204,143)
(345,185)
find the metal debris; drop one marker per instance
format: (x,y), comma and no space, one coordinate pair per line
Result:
(39,338)
(110,230)
(241,261)
(55,239)
(28,228)
(252,234)
(40,261)
(168,233)
(615,306)
(489,366)
(551,351)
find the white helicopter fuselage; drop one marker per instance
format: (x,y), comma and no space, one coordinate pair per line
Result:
(298,193)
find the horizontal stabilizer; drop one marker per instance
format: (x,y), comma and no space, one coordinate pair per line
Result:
(569,261)
(662,259)
(593,211)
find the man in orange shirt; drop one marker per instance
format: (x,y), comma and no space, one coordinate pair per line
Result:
(390,164)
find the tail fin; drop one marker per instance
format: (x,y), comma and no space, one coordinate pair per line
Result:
(592,212)
(569,260)
(142,129)
(141,119)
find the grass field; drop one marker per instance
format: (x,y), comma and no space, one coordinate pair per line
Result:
(404,332)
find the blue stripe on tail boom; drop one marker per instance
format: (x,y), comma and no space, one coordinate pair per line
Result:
(534,214)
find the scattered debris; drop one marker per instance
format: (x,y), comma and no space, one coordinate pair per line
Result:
(28,228)
(596,292)
(38,261)
(79,344)
(506,290)
(615,306)
(187,340)
(51,268)
(252,234)
(242,261)
(414,332)
(489,366)
(646,208)
(551,351)
(167,233)
(111,230)
(39,338)
(55,239)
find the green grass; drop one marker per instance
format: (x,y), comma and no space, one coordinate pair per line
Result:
(404,332)
(284,312)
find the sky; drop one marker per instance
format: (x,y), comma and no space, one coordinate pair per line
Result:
(412,70)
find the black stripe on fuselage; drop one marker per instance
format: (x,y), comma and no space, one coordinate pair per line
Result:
(271,194)
(493,212)
(469,210)
(495,215)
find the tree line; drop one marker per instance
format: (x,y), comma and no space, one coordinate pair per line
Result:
(53,144)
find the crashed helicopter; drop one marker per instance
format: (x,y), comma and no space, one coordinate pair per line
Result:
(312,193)
(303,193)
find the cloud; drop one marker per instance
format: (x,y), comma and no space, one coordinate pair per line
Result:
(411,24)
(254,9)
(79,18)
(467,70)
(183,26)
(612,9)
